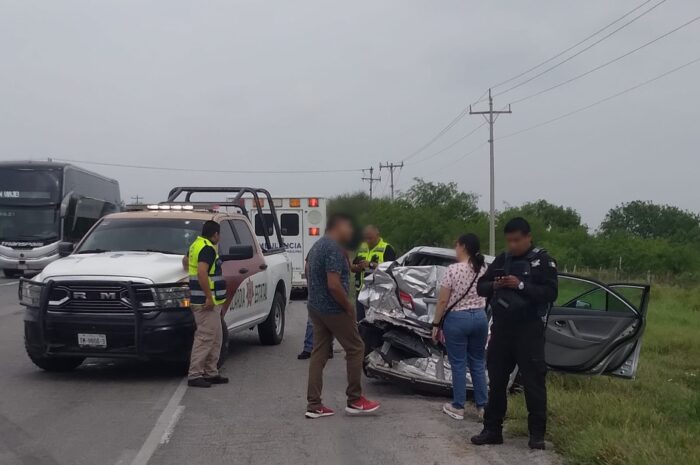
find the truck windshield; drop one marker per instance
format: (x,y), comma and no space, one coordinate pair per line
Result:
(29,186)
(164,235)
(28,226)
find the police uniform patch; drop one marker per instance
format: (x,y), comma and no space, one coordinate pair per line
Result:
(535,263)
(552,264)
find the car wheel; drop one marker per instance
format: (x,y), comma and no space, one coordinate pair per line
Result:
(11,273)
(224,343)
(271,331)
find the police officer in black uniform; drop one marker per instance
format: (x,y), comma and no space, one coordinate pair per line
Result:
(520,285)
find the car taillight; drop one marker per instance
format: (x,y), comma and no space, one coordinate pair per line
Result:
(314,231)
(406,300)
(313,202)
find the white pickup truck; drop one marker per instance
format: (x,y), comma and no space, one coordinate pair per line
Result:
(122,291)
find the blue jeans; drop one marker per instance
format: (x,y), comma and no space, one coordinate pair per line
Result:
(309,337)
(465,339)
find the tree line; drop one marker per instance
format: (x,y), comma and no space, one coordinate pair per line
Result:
(637,238)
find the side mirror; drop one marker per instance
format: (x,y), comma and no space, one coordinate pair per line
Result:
(65,248)
(64,204)
(238,252)
(583,304)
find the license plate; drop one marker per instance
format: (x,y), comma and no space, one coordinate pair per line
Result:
(92,340)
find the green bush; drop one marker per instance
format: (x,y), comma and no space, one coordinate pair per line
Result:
(436,214)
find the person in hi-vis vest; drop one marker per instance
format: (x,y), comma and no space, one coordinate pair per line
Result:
(373,251)
(208,295)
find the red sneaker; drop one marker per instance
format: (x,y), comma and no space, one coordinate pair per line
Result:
(318,413)
(362,406)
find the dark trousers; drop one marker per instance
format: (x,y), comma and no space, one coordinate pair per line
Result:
(343,328)
(359,310)
(523,345)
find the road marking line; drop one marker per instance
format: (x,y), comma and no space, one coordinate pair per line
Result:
(9,284)
(165,420)
(171,426)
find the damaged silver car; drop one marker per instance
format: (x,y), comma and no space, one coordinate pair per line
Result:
(592,328)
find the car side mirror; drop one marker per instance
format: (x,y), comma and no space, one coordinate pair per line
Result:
(583,304)
(65,248)
(238,252)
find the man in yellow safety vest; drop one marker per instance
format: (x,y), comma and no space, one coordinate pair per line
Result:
(373,251)
(208,293)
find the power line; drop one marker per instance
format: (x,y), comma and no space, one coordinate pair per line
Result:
(606,63)
(570,48)
(610,97)
(201,170)
(443,150)
(464,111)
(460,158)
(442,132)
(566,60)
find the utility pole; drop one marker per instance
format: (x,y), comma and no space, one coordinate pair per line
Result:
(391,167)
(137,199)
(491,119)
(371,179)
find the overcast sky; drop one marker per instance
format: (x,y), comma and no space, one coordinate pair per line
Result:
(319,84)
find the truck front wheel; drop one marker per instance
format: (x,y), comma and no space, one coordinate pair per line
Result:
(271,331)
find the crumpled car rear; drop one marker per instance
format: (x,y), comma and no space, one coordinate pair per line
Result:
(400,303)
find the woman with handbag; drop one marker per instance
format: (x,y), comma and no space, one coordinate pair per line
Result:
(461,317)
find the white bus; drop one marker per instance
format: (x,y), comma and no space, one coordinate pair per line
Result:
(302,221)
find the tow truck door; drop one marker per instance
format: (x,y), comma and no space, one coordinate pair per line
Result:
(596,328)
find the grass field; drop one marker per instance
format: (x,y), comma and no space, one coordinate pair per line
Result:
(651,420)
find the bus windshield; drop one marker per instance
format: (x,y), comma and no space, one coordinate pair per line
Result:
(29,186)
(33,226)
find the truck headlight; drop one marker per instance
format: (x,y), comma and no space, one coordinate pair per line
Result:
(30,293)
(172,297)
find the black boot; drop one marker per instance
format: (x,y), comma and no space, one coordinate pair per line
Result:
(487,437)
(536,442)
(198,382)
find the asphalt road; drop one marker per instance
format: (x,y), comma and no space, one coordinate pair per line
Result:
(128,413)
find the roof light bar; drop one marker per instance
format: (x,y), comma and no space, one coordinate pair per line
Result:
(171,207)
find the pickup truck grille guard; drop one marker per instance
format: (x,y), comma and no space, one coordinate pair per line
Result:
(136,309)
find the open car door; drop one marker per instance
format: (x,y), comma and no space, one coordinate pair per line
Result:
(595,328)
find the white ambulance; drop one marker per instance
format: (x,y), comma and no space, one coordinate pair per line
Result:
(302,221)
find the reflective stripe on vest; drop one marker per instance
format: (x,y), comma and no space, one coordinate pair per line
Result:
(364,253)
(217,283)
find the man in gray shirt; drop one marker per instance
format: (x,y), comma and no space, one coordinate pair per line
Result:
(333,316)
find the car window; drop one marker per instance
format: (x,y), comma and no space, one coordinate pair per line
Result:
(242,232)
(227,239)
(289,222)
(269,223)
(424,259)
(587,295)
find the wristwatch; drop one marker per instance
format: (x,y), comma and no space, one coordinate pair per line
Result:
(521,285)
